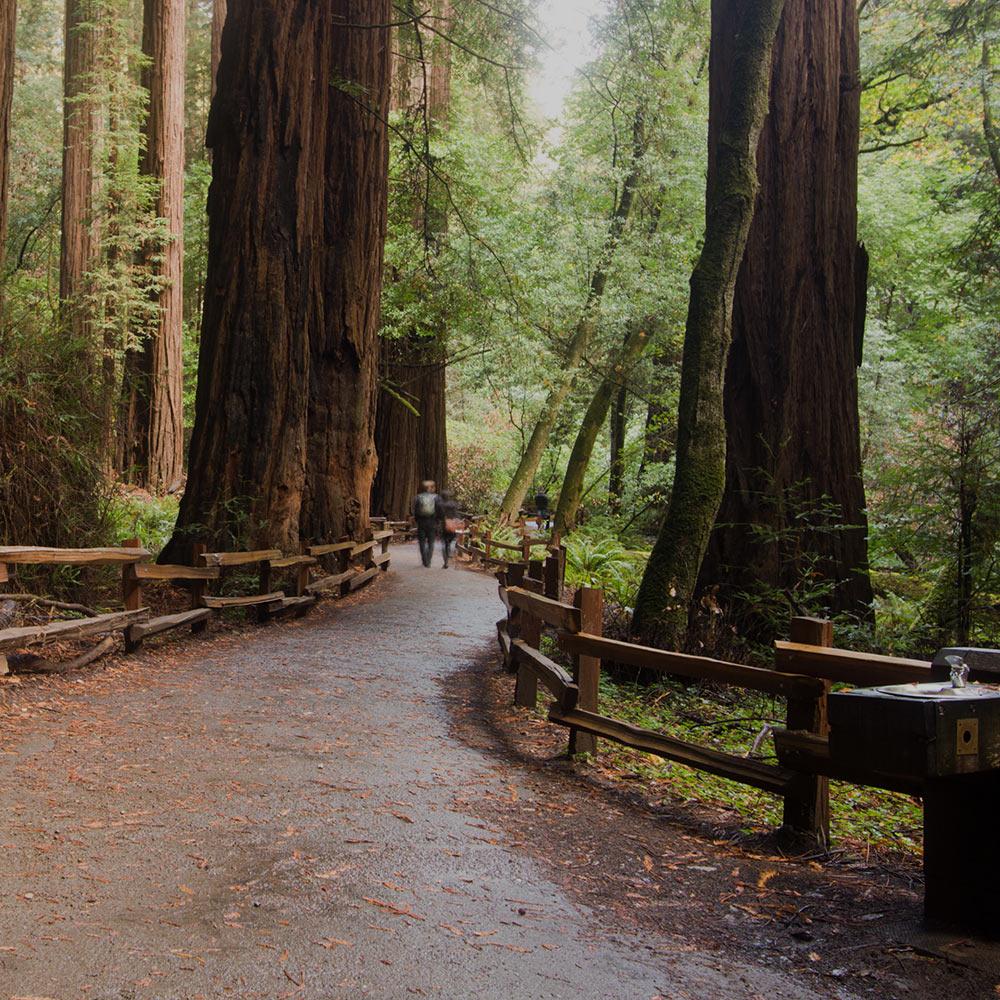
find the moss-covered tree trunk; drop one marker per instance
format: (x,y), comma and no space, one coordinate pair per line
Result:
(668,585)
(593,420)
(793,436)
(8,14)
(296,219)
(583,333)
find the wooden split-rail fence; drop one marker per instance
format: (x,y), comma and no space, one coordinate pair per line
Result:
(806,667)
(285,586)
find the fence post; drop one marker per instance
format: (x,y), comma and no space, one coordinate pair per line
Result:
(587,669)
(529,629)
(525,546)
(197,587)
(536,570)
(131,585)
(553,584)
(488,543)
(807,804)
(131,594)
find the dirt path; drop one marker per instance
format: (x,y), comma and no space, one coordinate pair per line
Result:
(289,812)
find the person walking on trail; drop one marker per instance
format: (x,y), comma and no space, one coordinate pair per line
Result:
(451,524)
(426,514)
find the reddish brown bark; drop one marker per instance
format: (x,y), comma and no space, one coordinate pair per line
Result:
(80,245)
(791,387)
(8,14)
(341,459)
(218,23)
(413,446)
(296,216)
(152,434)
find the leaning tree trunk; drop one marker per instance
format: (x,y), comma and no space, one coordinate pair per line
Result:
(8,14)
(583,334)
(296,213)
(593,420)
(667,589)
(80,246)
(793,438)
(616,432)
(152,430)
(340,457)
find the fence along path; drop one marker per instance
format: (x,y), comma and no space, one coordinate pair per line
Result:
(806,668)
(358,563)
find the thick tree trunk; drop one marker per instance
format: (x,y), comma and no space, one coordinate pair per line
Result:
(411,426)
(583,334)
(413,446)
(593,420)
(80,246)
(8,14)
(218,23)
(296,218)
(667,589)
(152,431)
(791,387)
(341,459)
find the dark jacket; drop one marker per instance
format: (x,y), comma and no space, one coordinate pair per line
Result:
(449,510)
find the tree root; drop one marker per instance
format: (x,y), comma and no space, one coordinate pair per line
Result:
(46,602)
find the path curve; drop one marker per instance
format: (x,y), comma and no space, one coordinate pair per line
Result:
(278,813)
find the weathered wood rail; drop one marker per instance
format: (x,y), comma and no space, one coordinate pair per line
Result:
(359,562)
(806,668)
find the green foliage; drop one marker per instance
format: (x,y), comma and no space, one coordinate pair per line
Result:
(595,557)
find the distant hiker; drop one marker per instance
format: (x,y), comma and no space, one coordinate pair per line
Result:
(542,508)
(427,513)
(451,524)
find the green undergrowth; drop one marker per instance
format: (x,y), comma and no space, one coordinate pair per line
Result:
(865,818)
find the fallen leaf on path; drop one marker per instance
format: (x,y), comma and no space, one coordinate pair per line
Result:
(330,943)
(400,911)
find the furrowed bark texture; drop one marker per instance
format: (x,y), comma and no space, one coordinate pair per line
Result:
(413,446)
(583,334)
(593,420)
(341,458)
(667,588)
(798,319)
(8,15)
(80,246)
(218,23)
(296,219)
(152,433)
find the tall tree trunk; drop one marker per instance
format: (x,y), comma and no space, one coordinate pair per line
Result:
(593,420)
(616,433)
(341,458)
(218,23)
(583,334)
(746,33)
(80,246)
(296,215)
(793,438)
(411,432)
(152,432)
(8,15)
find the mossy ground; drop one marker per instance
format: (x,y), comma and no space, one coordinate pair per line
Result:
(865,818)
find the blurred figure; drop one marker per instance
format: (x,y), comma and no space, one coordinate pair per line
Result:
(427,514)
(451,524)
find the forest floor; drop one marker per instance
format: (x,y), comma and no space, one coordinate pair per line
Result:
(346,806)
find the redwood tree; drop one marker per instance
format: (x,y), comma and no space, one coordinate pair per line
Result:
(296,219)
(793,453)
(80,247)
(411,427)
(152,432)
(8,13)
